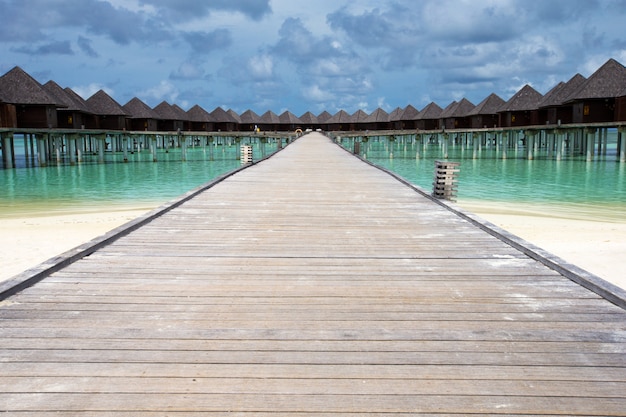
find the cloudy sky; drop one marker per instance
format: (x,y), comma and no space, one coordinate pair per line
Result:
(302,55)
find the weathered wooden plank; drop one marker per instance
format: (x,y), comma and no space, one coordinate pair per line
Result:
(310,284)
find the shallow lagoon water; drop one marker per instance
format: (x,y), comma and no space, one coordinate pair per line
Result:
(571,188)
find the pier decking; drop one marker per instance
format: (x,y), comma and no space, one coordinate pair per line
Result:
(310,284)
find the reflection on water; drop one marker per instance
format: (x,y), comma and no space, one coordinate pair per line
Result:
(571,187)
(92,186)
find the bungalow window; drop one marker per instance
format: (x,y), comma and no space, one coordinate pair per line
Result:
(586,110)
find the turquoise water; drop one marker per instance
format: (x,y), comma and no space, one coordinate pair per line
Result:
(90,186)
(572,187)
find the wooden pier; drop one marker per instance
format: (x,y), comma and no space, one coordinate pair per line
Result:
(310,284)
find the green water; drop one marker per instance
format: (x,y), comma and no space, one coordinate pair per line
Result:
(90,186)
(571,187)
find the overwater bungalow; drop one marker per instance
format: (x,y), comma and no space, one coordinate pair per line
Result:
(394,118)
(170,119)
(428,118)
(357,120)
(456,116)
(521,109)
(309,121)
(269,122)
(408,118)
(140,116)
(249,121)
(199,119)
(233,114)
(620,106)
(552,109)
(106,113)
(289,122)
(595,99)
(340,121)
(323,119)
(25,103)
(74,113)
(485,114)
(377,120)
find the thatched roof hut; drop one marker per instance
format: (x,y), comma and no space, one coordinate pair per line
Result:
(456,116)
(25,103)
(339,121)
(74,111)
(357,121)
(170,118)
(521,109)
(199,119)
(552,107)
(377,120)
(428,118)
(408,117)
(222,121)
(289,121)
(485,114)
(309,120)
(594,100)
(269,121)
(107,114)
(249,120)
(140,116)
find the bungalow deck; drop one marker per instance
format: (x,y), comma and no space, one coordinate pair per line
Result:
(310,284)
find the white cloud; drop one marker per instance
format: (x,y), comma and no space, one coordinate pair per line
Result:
(165,90)
(86,91)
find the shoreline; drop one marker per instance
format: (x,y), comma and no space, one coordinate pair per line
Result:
(593,245)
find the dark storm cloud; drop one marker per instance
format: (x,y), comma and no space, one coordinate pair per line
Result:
(185,9)
(30,20)
(51,48)
(206,42)
(85,45)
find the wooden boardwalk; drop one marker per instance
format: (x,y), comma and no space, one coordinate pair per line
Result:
(310,284)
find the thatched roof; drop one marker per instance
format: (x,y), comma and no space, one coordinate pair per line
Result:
(234,115)
(103,104)
(250,117)
(182,114)
(449,108)
(527,98)
(18,87)
(340,117)
(431,111)
(81,103)
(270,118)
(309,118)
(62,98)
(166,111)
(198,114)
(219,115)
(488,106)
(561,91)
(359,116)
(607,82)
(288,118)
(137,109)
(377,116)
(323,117)
(458,109)
(409,113)
(395,114)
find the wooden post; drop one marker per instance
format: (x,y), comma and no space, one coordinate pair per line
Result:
(505,143)
(101,141)
(125,147)
(41,151)
(530,144)
(621,139)
(7,157)
(591,139)
(71,148)
(560,142)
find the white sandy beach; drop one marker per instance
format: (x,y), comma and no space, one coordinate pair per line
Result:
(598,247)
